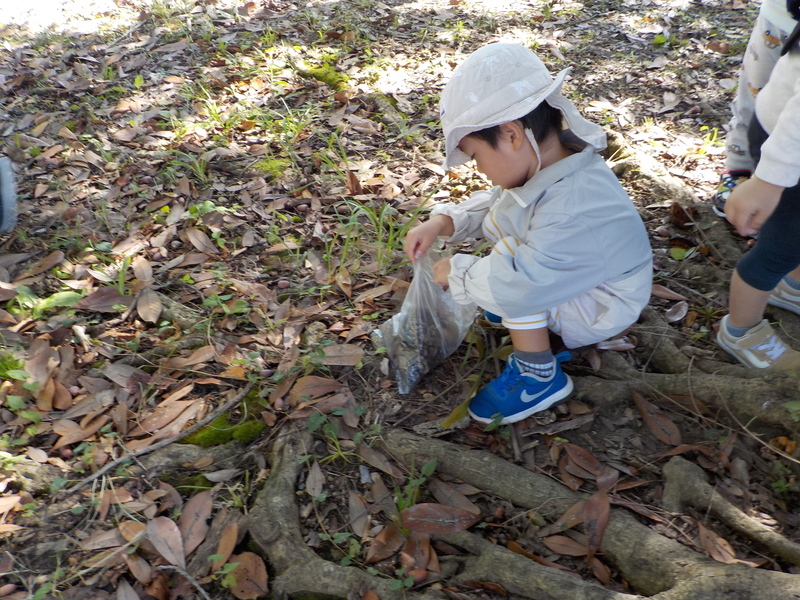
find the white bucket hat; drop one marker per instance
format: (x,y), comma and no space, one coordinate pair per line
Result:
(501,83)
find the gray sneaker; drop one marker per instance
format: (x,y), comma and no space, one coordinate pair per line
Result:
(8,196)
(785,297)
(759,348)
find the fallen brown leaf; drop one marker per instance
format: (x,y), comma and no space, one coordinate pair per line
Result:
(563,545)
(573,516)
(359,515)
(227,542)
(193,522)
(347,355)
(717,547)
(311,387)
(448,495)
(166,538)
(659,291)
(583,458)
(570,480)
(344,281)
(105,299)
(149,305)
(139,568)
(315,480)
(415,555)
(437,519)
(596,510)
(386,543)
(659,425)
(250,576)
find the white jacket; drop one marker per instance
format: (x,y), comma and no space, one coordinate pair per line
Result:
(572,228)
(778,111)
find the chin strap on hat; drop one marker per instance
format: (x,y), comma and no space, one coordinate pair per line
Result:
(532,140)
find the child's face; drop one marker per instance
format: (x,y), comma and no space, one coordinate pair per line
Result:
(508,165)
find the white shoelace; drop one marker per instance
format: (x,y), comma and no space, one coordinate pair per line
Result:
(773,347)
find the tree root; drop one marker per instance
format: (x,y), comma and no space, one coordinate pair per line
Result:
(275,530)
(33,477)
(687,485)
(651,563)
(716,234)
(177,456)
(746,400)
(656,335)
(654,565)
(520,575)
(747,395)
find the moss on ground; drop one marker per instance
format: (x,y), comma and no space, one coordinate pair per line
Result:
(328,75)
(219,431)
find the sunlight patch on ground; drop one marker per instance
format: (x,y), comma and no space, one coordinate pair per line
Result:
(82,16)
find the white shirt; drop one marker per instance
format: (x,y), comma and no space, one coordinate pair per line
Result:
(778,111)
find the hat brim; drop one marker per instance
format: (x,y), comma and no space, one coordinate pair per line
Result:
(455,157)
(587,131)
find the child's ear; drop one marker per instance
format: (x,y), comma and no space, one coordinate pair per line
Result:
(514,132)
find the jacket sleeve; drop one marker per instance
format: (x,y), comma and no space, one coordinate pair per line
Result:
(780,154)
(559,260)
(468,215)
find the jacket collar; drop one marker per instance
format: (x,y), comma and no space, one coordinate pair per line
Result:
(531,191)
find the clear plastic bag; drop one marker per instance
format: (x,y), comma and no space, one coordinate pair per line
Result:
(428,328)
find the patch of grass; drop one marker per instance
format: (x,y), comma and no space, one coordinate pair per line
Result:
(195,166)
(273,167)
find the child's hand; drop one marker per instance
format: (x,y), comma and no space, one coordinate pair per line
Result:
(751,203)
(422,237)
(441,269)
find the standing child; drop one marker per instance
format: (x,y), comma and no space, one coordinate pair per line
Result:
(570,253)
(772,27)
(768,204)
(8,197)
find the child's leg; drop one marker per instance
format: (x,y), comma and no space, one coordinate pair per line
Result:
(787,294)
(744,333)
(530,340)
(532,351)
(747,303)
(759,59)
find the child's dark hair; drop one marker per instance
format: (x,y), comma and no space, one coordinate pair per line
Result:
(543,121)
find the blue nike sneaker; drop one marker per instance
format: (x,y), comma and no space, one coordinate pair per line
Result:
(492,318)
(516,395)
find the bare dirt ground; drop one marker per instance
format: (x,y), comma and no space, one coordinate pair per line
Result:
(213,196)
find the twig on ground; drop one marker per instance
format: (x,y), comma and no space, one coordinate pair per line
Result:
(163,443)
(674,282)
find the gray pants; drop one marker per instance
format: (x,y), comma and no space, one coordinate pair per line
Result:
(763,51)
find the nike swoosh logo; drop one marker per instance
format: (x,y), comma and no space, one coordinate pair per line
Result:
(526,397)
